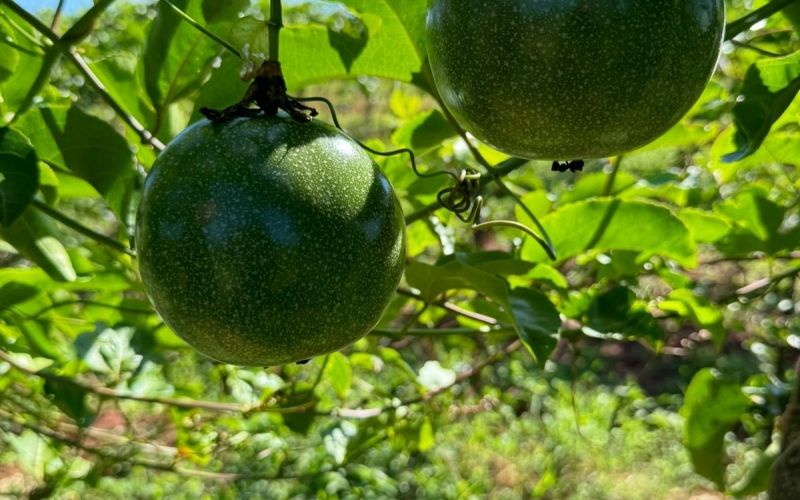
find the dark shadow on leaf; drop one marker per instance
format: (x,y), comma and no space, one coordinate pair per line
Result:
(349,48)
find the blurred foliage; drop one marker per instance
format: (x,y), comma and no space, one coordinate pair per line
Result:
(660,347)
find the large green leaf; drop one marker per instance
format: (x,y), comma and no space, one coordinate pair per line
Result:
(537,321)
(395,48)
(424,132)
(711,408)
(769,88)
(532,314)
(9,55)
(432,281)
(36,237)
(19,175)
(177,57)
(758,225)
(224,88)
(606,224)
(592,185)
(118,72)
(29,62)
(85,145)
(706,227)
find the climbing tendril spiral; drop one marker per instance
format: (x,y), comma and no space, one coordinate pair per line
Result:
(463,198)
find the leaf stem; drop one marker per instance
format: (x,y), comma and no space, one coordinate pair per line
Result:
(741,25)
(57,16)
(275,24)
(609,187)
(80,228)
(183,15)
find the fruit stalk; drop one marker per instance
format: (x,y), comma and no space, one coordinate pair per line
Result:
(275,24)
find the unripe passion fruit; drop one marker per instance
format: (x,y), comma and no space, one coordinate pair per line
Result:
(567,79)
(263,241)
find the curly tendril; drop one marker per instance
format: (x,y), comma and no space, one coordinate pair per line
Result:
(462,198)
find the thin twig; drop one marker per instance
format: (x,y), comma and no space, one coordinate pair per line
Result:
(450,307)
(91,78)
(179,403)
(441,332)
(80,228)
(202,29)
(98,86)
(743,24)
(57,16)
(609,187)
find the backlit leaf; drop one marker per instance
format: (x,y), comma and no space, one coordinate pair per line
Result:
(605,224)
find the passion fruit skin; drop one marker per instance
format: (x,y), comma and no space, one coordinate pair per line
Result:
(569,79)
(264,241)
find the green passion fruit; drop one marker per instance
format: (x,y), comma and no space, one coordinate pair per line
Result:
(567,79)
(263,241)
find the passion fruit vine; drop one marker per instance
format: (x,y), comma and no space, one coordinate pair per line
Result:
(567,79)
(265,240)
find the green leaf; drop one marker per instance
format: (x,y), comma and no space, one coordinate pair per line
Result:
(108,350)
(9,56)
(224,88)
(427,437)
(496,262)
(36,237)
(711,408)
(395,48)
(71,400)
(534,317)
(16,293)
(698,310)
(683,135)
(118,73)
(549,275)
(29,63)
(250,36)
(706,227)
(592,185)
(758,225)
(19,175)
(537,322)
(426,131)
(432,281)
(177,57)
(88,146)
(618,313)
(770,86)
(339,373)
(33,452)
(605,224)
